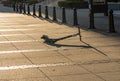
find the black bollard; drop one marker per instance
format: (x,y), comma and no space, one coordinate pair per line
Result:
(28,8)
(111,22)
(20,7)
(14,7)
(46,12)
(54,14)
(91,21)
(24,9)
(34,13)
(63,15)
(39,10)
(75,21)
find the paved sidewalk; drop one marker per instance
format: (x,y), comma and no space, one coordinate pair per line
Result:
(24,56)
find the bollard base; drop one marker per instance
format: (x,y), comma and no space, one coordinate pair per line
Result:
(92,27)
(111,31)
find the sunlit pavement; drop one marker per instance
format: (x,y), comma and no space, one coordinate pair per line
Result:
(25,57)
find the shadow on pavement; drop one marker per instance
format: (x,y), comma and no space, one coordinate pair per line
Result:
(65,45)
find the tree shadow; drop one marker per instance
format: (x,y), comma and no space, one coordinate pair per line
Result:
(66,45)
(52,42)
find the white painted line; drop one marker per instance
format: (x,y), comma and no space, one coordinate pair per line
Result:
(36,50)
(25,25)
(2,68)
(34,66)
(17,34)
(20,41)
(15,29)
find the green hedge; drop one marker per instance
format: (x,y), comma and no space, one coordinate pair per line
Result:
(74,0)
(113,0)
(73,4)
(31,1)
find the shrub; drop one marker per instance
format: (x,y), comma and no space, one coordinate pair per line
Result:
(31,1)
(73,4)
(75,0)
(113,0)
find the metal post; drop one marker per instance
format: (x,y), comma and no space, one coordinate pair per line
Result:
(63,15)
(17,7)
(24,9)
(106,6)
(14,7)
(46,12)
(75,21)
(28,8)
(20,7)
(34,10)
(111,22)
(91,21)
(54,14)
(39,10)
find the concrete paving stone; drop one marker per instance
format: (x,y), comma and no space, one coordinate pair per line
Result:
(103,67)
(54,26)
(102,38)
(5,27)
(110,48)
(64,33)
(48,60)
(6,47)
(16,30)
(64,70)
(28,26)
(105,45)
(60,35)
(21,74)
(37,36)
(41,54)
(33,31)
(56,35)
(113,52)
(8,24)
(30,79)
(110,76)
(29,45)
(93,34)
(67,43)
(2,38)
(81,55)
(21,37)
(10,32)
(71,41)
(81,77)
(101,42)
(114,55)
(63,30)
(10,15)
(11,55)
(32,22)
(13,60)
